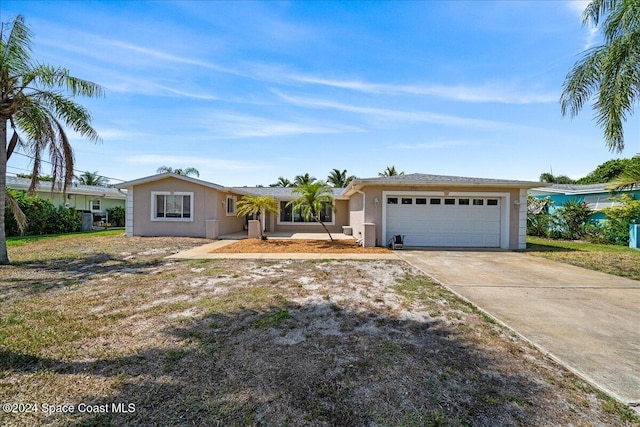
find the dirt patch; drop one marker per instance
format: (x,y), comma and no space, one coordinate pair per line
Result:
(109,321)
(297,246)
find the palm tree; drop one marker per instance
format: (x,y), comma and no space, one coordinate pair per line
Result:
(93,179)
(609,71)
(390,171)
(259,205)
(555,179)
(178,171)
(627,180)
(314,198)
(282,182)
(303,180)
(339,179)
(34,105)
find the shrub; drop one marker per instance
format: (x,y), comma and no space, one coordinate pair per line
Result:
(619,218)
(42,216)
(570,220)
(116,216)
(538,217)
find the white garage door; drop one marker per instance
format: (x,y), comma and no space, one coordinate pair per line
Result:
(444,221)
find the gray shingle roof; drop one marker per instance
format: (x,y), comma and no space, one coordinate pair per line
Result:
(17,183)
(423,178)
(278,192)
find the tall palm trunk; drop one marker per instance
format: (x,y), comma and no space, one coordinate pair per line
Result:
(4,257)
(325,229)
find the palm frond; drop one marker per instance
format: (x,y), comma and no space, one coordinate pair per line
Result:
(16,47)
(608,72)
(18,214)
(628,180)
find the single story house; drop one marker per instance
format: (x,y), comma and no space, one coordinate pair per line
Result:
(596,196)
(86,198)
(429,210)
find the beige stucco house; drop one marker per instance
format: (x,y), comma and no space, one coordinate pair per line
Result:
(429,210)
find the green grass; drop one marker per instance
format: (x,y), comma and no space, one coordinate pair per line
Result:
(611,259)
(23,240)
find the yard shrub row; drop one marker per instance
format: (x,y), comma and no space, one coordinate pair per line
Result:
(574,221)
(116,216)
(42,216)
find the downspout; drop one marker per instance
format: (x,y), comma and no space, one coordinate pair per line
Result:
(364,198)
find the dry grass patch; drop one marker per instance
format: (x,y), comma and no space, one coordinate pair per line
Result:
(107,319)
(297,246)
(611,259)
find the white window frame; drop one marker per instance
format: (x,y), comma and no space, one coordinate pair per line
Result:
(231,201)
(91,202)
(171,193)
(279,222)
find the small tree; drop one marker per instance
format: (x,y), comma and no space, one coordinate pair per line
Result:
(282,182)
(258,205)
(179,171)
(314,198)
(300,180)
(619,218)
(538,217)
(339,178)
(571,219)
(92,179)
(390,171)
(116,216)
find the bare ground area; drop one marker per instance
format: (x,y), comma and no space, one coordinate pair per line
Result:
(297,246)
(103,320)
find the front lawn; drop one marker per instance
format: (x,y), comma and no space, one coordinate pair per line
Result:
(612,259)
(107,331)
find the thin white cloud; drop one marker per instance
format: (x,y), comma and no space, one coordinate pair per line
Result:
(149,88)
(191,161)
(244,126)
(394,115)
(152,53)
(493,92)
(578,7)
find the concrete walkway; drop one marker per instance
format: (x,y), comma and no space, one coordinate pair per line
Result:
(204,252)
(586,320)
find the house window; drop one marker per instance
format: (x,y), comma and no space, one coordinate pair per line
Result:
(291,215)
(392,200)
(492,202)
(407,201)
(449,201)
(167,206)
(434,201)
(464,202)
(478,202)
(421,201)
(231,205)
(95,206)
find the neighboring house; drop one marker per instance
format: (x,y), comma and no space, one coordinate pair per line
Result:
(430,210)
(596,196)
(86,198)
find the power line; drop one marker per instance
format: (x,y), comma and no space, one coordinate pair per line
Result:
(75,170)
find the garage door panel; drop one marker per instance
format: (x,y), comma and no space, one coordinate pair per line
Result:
(445,225)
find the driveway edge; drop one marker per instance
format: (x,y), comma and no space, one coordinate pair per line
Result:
(635,406)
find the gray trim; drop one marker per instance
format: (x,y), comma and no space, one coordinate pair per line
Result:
(166,175)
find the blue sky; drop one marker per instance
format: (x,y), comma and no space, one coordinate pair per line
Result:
(249,91)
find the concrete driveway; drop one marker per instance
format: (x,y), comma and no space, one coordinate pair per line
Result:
(588,321)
